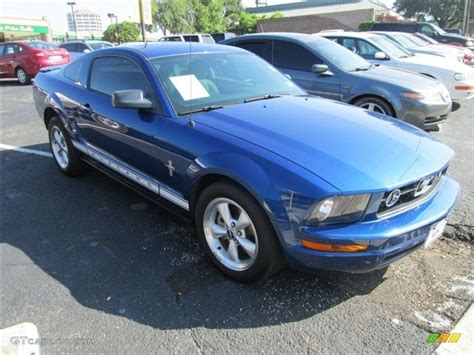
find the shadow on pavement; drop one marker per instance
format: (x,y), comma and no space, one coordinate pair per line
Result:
(119,254)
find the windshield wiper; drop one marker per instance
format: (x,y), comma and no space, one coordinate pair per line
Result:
(362,68)
(202,109)
(264,97)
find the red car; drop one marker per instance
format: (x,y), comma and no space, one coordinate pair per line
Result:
(468,54)
(23,59)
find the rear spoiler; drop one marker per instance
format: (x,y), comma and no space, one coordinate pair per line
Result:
(51,68)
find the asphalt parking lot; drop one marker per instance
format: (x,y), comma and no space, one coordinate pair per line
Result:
(86,258)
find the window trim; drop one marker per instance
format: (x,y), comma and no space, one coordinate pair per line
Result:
(157,104)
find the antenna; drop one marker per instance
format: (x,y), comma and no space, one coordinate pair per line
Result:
(190,121)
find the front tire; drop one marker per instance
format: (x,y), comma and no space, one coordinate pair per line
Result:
(22,76)
(236,233)
(66,157)
(375,104)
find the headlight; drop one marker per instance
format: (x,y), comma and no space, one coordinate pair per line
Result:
(339,209)
(468,43)
(459,77)
(427,97)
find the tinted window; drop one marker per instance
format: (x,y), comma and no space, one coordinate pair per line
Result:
(258,48)
(170,39)
(112,73)
(427,30)
(2,48)
(100,45)
(73,71)
(191,38)
(71,47)
(407,28)
(292,56)
(384,27)
(81,47)
(12,49)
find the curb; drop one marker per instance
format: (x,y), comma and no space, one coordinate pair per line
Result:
(466,342)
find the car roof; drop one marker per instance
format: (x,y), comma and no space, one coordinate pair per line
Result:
(347,34)
(161,49)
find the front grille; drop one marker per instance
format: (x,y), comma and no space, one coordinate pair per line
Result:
(410,195)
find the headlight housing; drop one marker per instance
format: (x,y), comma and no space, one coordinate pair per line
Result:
(434,97)
(468,43)
(459,77)
(339,209)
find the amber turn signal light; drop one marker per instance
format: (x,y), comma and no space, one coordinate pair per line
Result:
(350,248)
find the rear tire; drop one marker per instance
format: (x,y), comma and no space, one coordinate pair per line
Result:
(242,244)
(67,158)
(375,104)
(22,76)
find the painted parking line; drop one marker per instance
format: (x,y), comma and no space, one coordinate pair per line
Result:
(25,150)
(466,337)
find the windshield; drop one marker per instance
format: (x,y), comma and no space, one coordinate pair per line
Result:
(340,56)
(42,45)
(206,80)
(391,49)
(99,45)
(415,40)
(426,38)
(439,29)
(403,41)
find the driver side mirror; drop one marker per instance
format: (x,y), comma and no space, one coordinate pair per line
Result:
(319,68)
(380,56)
(130,99)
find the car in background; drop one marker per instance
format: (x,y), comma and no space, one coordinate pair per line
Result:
(326,69)
(468,54)
(267,173)
(24,59)
(429,29)
(414,45)
(455,31)
(219,37)
(193,37)
(458,78)
(78,48)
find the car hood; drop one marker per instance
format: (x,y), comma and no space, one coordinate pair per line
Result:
(436,62)
(353,149)
(400,77)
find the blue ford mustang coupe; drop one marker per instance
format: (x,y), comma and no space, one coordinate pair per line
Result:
(267,173)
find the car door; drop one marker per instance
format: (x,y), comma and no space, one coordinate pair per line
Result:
(129,135)
(296,61)
(9,58)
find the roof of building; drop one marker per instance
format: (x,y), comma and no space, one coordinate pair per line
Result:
(314,4)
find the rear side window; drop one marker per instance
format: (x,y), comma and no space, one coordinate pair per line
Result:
(73,71)
(292,56)
(427,30)
(170,39)
(384,27)
(2,48)
(191,38)
(70,47)
(42,45)
(410,28)
(207,39)
(259,48)
(110,74)
(12,48)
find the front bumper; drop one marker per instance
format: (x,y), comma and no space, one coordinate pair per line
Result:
(389,239)
(424,115)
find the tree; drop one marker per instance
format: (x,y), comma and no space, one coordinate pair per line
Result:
(248,23)
(209,16)
(173,16)
(233,10)
(128,32)
(445,12)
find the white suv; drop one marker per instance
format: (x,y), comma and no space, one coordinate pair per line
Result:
(198,37)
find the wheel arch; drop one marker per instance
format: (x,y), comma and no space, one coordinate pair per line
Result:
(380,97)
(48,114)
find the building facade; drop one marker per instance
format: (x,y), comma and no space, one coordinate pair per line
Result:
(86,22)
(21,28)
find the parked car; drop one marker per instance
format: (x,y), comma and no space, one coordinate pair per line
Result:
(194,37)
(324,68)
(411,44)
(468,54)
(267,173)
(429,29)
(457,77)
(219,37)
(455,31)
(78,48)
(24,59)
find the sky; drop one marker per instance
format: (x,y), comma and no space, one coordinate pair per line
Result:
(56,10)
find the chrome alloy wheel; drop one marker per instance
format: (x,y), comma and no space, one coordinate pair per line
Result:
(59,146)
(373,107)
(21,76)
(230,234)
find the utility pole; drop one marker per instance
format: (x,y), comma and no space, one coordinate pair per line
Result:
(72,3)
(142,20)
(466,17)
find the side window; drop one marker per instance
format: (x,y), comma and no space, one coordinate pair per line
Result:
(71,47)
(427,30)
(259,48)
(366,50)
(80,47)
(292,56)
(350,44)
(110,74)
(2,48)
(191,38)
(11,49)
(207,39)
(73,71)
